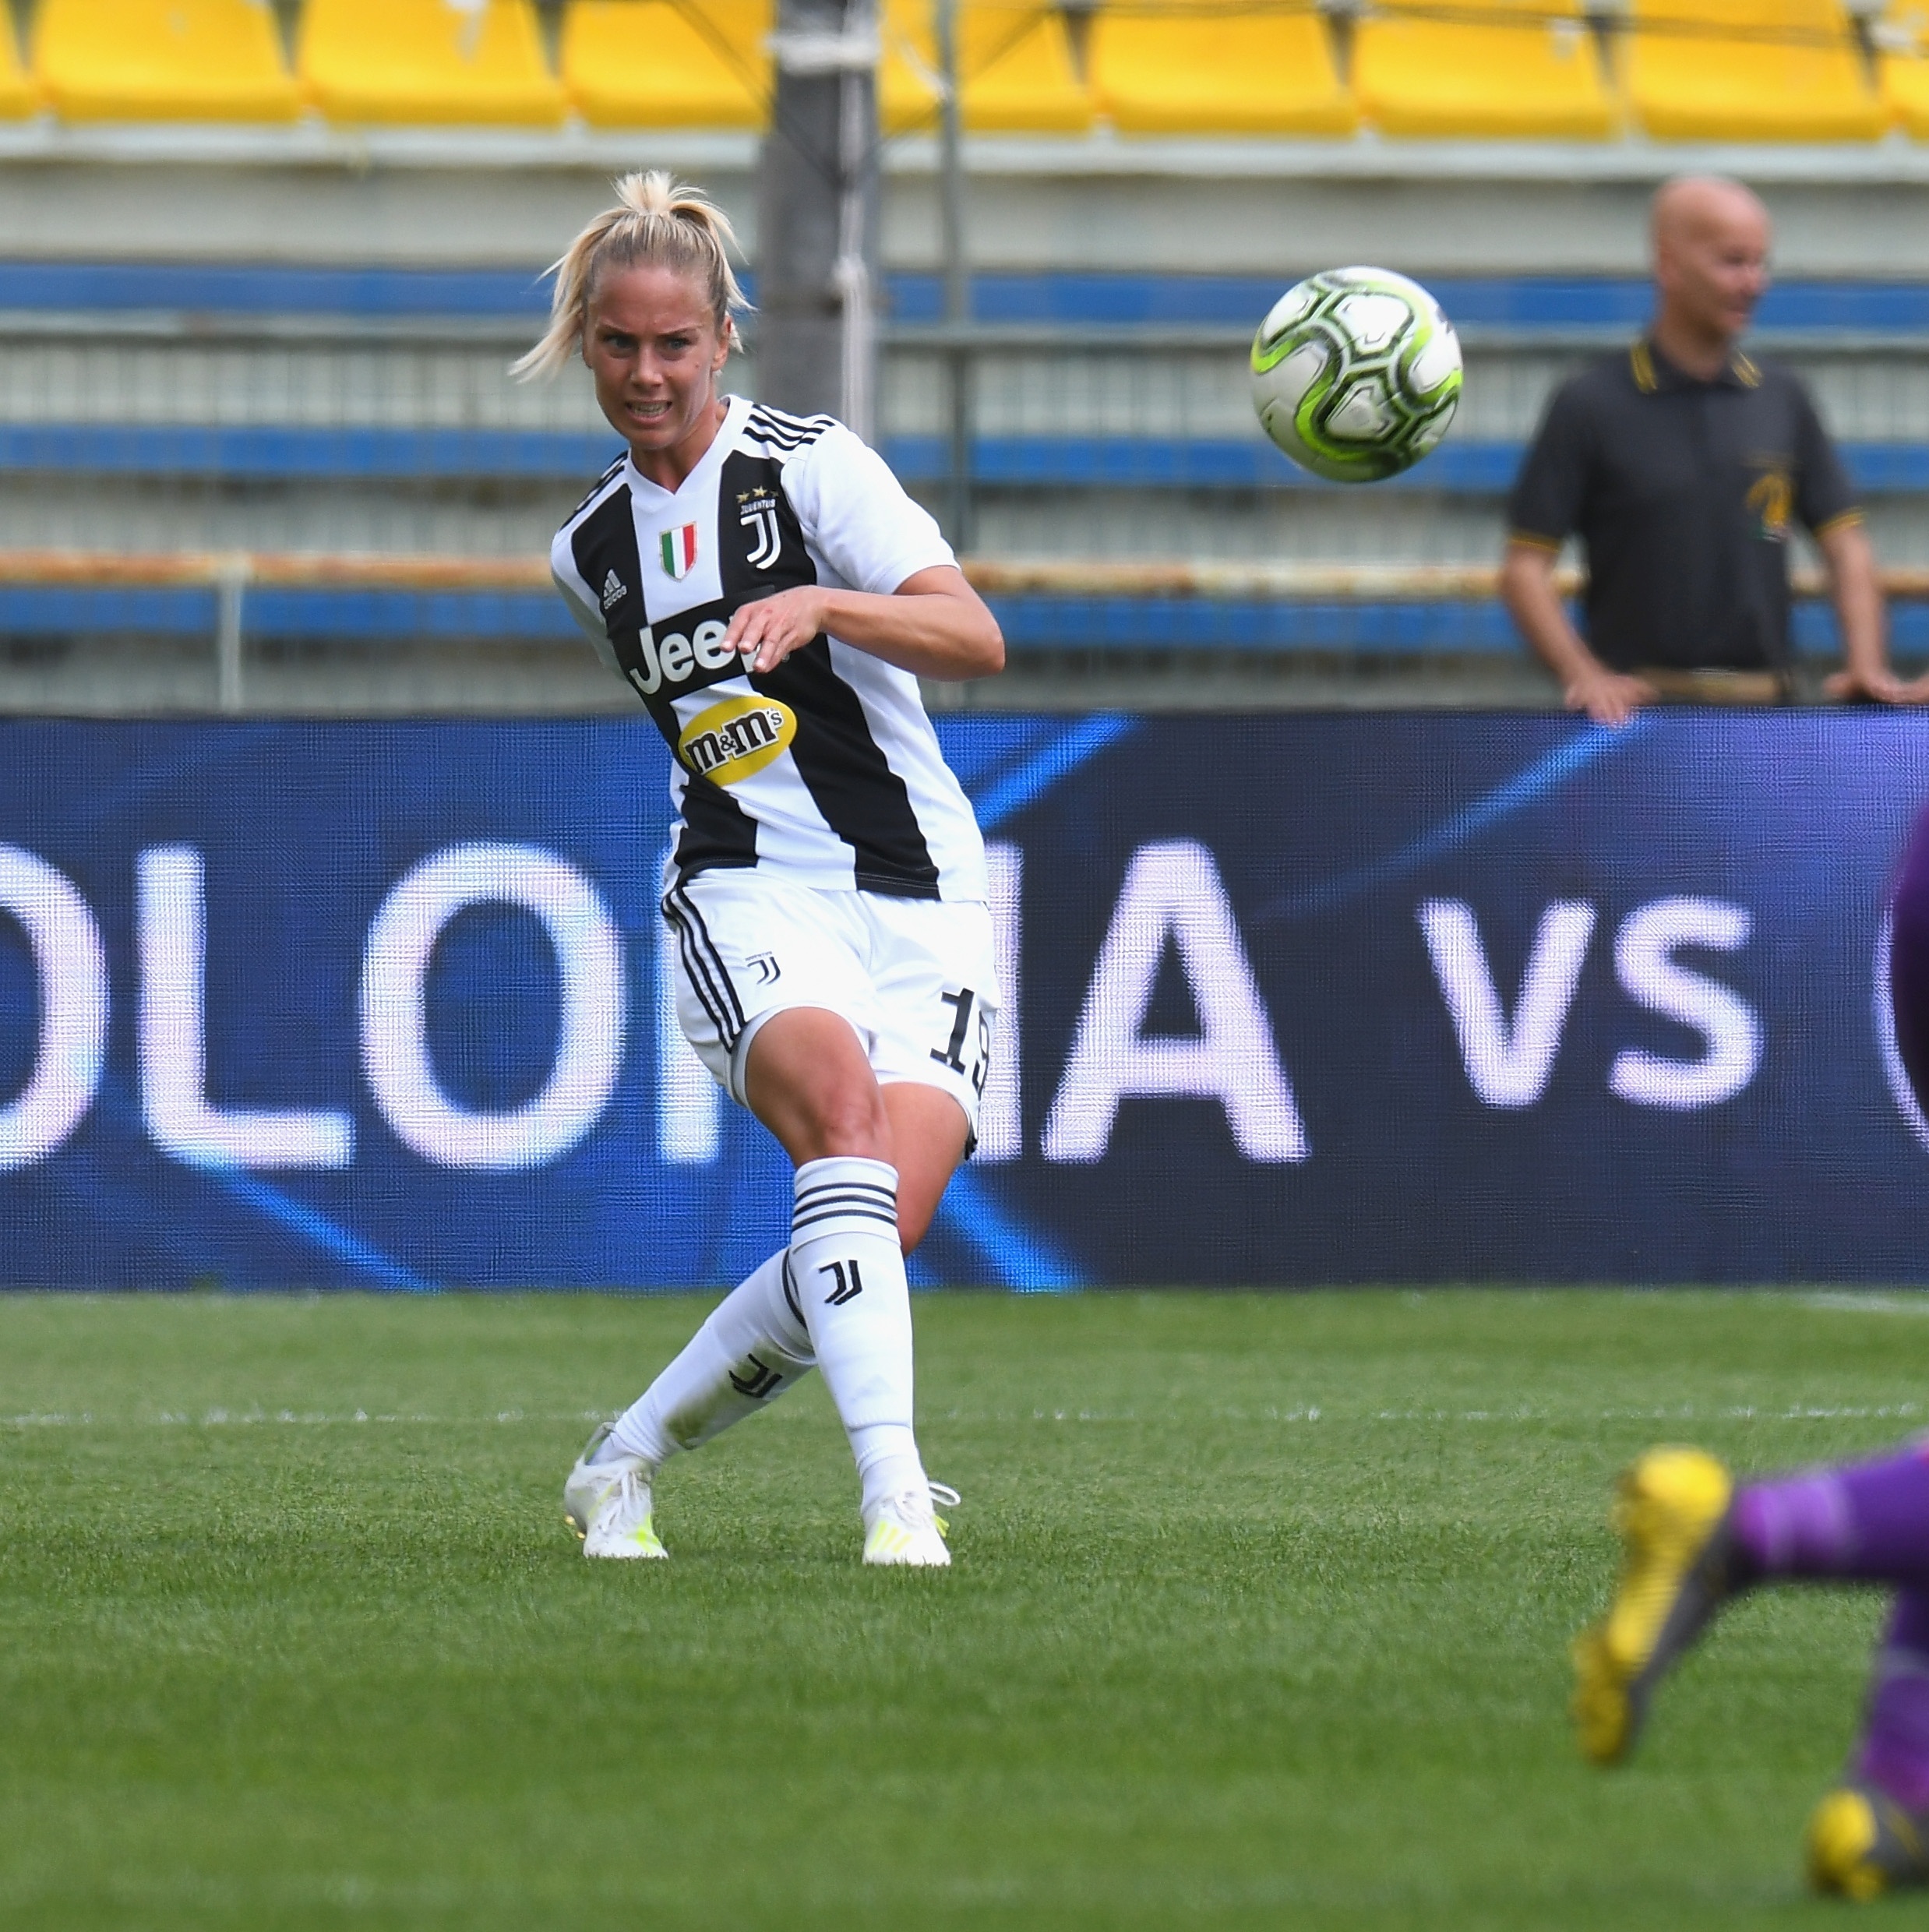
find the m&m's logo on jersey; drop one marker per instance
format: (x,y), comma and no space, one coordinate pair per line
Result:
(736,739)
(679,551)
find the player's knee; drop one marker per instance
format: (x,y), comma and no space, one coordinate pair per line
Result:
(851,1120)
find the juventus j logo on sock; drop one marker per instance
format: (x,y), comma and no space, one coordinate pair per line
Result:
(850,1283)
(755,1379)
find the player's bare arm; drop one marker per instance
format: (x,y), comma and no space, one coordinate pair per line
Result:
(934,625)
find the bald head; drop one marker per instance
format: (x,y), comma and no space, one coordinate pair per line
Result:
(1711,259)
(1695,206)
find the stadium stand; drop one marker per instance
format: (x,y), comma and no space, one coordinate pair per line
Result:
(654,64)
(1197,70)
(1902,60)
(1424,74)
(1755,71)
(19,94)
(1117,429)
(428,62)
(301,397)
(1016,73)
(163,60)
(1749,70)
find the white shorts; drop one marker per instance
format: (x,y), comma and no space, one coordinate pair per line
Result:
(917,978)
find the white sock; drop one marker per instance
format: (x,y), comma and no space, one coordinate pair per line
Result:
(753,1348)
(848,1272)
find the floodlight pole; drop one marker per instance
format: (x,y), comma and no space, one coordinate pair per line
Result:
(958,293)
(817,214)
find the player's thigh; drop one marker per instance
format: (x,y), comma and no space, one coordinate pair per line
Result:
(934,968)
(807,1076)
(749,947)
(929,1132)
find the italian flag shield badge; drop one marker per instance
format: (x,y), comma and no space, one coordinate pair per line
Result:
(679,551)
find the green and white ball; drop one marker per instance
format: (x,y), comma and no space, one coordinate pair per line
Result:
(1355,373)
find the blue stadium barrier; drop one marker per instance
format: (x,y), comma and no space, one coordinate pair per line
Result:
(276,452)
(1236,624)
(1246,462)
(1031,622)
(293,615)
(1105,301)
(228,289)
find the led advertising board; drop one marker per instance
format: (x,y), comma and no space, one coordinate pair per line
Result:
(1287,1000)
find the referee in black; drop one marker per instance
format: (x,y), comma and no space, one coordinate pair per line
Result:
(1680,463)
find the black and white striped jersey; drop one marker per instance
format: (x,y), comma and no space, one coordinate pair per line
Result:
(827,769)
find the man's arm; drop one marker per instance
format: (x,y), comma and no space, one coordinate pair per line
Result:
(1857,593)
(1529,591)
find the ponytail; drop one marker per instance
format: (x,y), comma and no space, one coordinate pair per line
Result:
(656,220)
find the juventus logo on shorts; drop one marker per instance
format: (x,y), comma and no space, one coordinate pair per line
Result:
(758,514)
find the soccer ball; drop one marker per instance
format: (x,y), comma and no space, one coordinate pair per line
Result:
(1355,373)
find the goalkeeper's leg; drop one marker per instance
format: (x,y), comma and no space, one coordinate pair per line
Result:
(1694,1540)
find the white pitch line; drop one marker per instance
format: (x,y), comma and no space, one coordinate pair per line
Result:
(288,1418)
(1840,1302)
(1680,1412)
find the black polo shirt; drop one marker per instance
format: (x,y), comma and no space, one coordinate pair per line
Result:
(1681,491)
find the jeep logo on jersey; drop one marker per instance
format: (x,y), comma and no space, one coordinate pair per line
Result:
(679,551)
(756,511)
(736,739)
(673,658)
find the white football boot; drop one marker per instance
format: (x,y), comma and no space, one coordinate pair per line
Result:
(906,1531)
(608,1504)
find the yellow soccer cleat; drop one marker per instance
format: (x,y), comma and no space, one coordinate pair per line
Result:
(1862,1843)
(1677,1570)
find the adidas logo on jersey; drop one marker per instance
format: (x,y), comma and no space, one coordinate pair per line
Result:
(615,590)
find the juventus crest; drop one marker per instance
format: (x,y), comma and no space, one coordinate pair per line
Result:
(756,511)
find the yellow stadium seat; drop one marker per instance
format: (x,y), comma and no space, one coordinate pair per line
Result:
(1199,70)
(668,63)
(1903,35)
(1491,78)
(1748,70)
(472,61)
(163,60)
(18,96)
(1015,70)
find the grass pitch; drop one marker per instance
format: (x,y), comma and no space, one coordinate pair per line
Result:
(1258,1618)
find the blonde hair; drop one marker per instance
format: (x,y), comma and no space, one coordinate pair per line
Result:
(658,221)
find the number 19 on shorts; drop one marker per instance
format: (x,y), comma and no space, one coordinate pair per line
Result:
(965,1005)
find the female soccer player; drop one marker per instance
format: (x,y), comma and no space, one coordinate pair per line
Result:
(1693,1539)
(773,595)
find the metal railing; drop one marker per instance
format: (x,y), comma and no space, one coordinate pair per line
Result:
(231,575)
